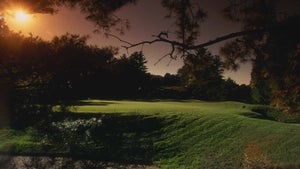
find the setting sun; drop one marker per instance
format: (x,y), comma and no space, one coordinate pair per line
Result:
(21,16)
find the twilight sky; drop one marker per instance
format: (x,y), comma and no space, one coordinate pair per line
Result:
(146,19)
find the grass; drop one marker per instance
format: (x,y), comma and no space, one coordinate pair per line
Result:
(173,134)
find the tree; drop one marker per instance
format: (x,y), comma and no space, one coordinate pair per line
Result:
(283,65)
(100,12)
(187,16)
(272,53)
(255,14)
(132,75)
(233,91)
(22,62)
(137,62)
(171,80)
(202,75)
(81,70)
(44,74)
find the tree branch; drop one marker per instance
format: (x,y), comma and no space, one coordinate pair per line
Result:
(163,37)
(226,37)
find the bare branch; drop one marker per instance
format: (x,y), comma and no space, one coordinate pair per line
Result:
(171,55)
(163,37)
(226,37)
(121,40)
(143,43)
(161,58)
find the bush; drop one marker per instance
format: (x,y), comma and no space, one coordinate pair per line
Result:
(271,113)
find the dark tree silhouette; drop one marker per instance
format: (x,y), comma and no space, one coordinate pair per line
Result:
(21,61)
(43,74)
(273,54)
(232,91)
(202,75)
(171,80)
(132,75)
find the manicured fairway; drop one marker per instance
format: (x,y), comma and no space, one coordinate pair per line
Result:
(175,134)
(211,134)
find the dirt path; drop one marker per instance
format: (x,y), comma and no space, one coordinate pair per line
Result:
(25,162)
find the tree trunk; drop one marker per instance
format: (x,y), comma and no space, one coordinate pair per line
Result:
(4,101)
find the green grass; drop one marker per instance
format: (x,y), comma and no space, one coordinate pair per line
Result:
(19,141)
(179,134)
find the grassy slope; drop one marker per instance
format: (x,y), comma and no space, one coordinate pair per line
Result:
(213,134)
(198,134)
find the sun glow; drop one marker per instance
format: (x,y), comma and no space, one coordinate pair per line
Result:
(21,16)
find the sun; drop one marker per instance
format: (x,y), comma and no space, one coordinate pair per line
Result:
(21,16)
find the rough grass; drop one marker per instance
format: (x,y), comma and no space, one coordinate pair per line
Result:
(176,134)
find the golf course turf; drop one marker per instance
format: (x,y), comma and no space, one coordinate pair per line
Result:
(164,133)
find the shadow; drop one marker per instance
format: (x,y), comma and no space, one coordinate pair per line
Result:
(93,103)
(119,138)
(64,162)
(254,115)
(162,100)
(4,159)
(264,113)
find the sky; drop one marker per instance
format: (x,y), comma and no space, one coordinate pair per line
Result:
(146,19)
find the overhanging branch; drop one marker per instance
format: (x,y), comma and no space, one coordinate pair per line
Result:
(163,38)
(226,37)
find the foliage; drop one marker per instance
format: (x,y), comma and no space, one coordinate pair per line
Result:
(130,77)
(44,74)
(171,80)
(187,15)
(202,75)
(100,12)
(77,67)
(232,91)
(73,133)
(273,52)
(21,61)
(272,113)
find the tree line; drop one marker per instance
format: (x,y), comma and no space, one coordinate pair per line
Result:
(44,74)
